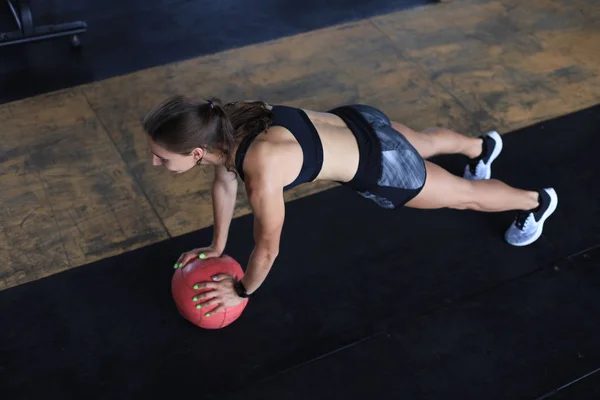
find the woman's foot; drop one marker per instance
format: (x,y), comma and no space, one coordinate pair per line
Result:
(528,225)
(481,167)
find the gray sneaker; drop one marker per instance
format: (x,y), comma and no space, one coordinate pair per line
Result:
(528,225)
(481,167)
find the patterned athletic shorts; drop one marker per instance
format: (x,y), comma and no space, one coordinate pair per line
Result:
(403,172)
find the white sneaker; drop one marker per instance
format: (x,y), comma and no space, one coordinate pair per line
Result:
(481,167)
(528,225)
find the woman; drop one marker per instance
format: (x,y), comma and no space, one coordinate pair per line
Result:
(275,148)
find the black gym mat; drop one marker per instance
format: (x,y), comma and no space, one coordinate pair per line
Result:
(361,299)
(516,342)
(126,36)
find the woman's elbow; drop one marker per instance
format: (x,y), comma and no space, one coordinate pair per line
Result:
(228,187)
(268,252)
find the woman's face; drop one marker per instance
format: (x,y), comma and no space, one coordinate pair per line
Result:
(172,161)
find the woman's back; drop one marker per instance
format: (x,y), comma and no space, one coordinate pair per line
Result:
(338,148)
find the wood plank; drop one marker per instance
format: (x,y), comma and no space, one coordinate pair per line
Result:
(71,195)
(516,62)
(66,196)
(319,70)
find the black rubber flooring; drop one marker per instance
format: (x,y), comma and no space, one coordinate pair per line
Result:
(362,301)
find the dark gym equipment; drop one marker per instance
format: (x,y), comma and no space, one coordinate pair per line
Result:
(27,32)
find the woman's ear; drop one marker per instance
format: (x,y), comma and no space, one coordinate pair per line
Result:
(198,154)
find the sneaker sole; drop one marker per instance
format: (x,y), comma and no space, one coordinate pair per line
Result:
(497,149)
(548,213)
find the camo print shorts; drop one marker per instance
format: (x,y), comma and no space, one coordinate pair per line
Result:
(403,172)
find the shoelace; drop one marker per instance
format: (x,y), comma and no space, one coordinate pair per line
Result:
(522,218)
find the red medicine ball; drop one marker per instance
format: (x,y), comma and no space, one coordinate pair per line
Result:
(182,288)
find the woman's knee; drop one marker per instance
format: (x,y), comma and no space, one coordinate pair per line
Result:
(463,195)
(432,130)
(466,198)
(433,136)
(470,196)
(444,190)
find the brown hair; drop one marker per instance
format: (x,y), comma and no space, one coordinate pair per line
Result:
(181,124)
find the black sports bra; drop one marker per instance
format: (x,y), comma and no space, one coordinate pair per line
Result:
(297,122)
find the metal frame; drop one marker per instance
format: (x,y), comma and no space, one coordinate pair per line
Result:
(27,32)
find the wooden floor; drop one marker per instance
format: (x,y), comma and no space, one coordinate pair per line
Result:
(76,174)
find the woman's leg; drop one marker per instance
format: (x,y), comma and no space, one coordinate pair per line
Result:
(445,190)
(405,171)
(481,151)
(436,141)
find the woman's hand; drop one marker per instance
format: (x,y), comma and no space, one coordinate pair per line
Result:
(222,294)
(203,253)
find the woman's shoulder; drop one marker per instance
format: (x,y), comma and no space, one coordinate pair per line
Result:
(269,155)
(263,166)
